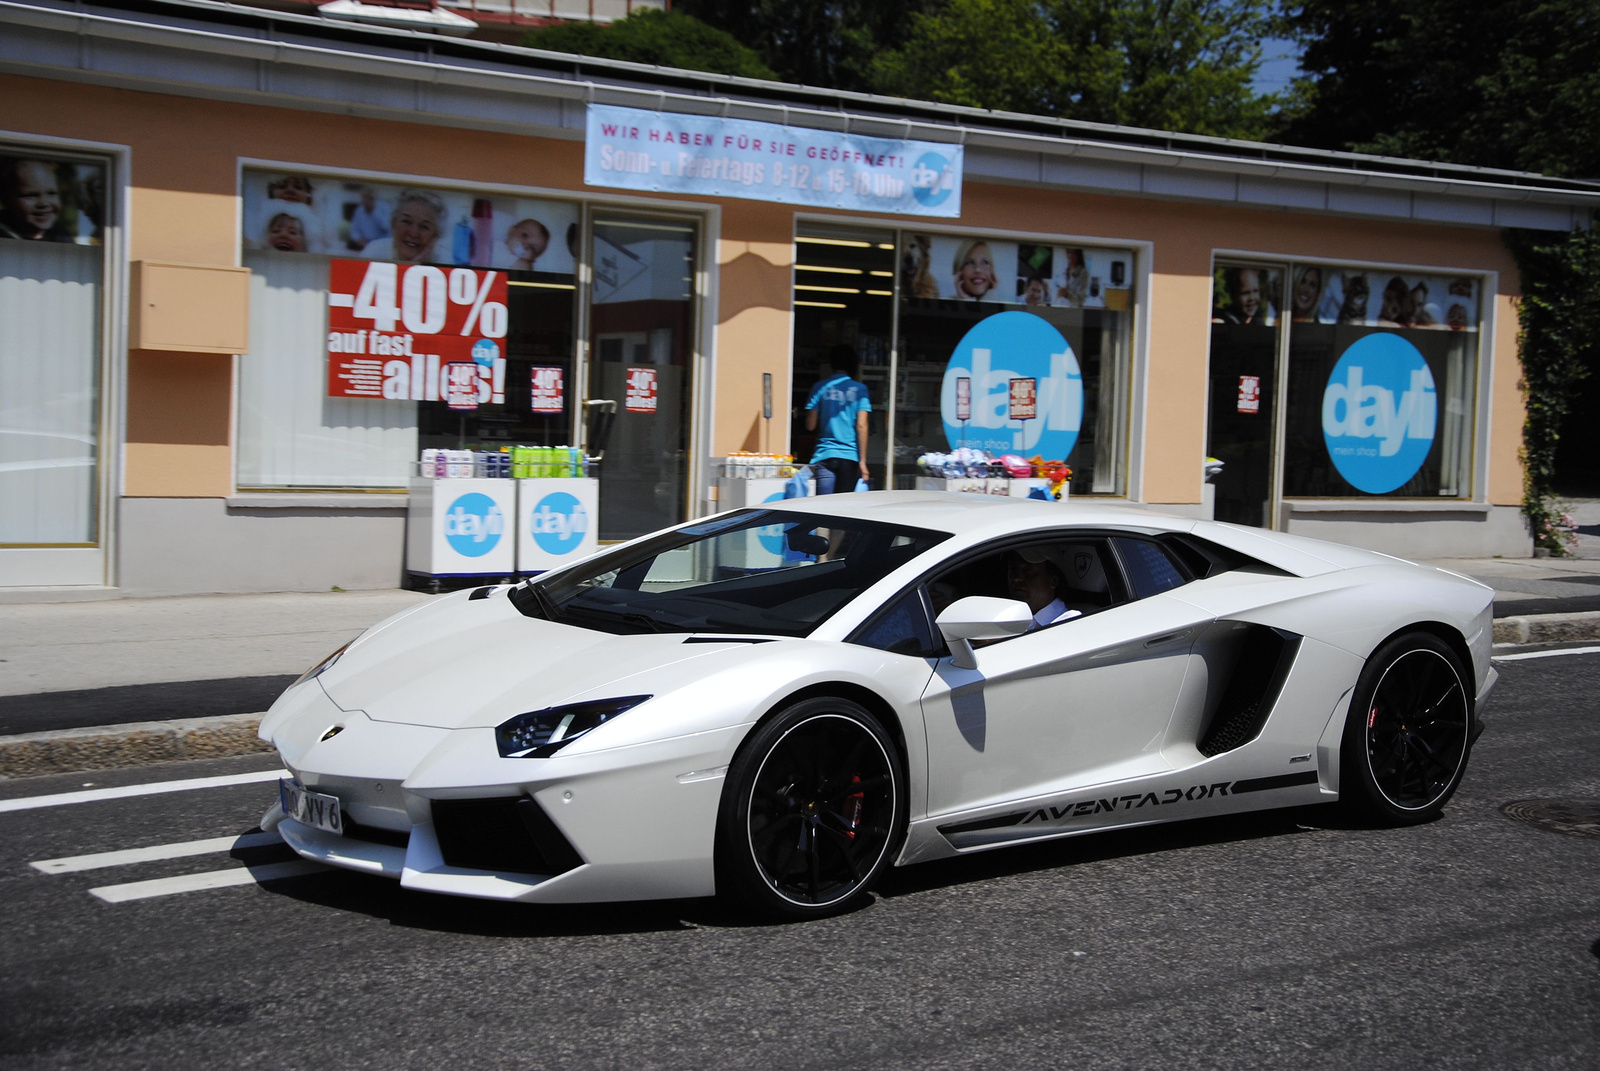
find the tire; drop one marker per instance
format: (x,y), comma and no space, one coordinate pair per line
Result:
(1408,733)
(813,806)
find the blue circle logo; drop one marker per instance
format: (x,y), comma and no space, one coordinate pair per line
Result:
(998,351)
(1379,411)
(559,522)
(771,536)
(473,525)
(485,353)
(931,180)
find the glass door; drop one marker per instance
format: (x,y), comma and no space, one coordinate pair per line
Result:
(1246,334)
(641,356)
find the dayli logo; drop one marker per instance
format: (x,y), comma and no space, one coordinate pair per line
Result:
(1379,411)
(473,525)
(559,523)
(932,179)
(1013,357)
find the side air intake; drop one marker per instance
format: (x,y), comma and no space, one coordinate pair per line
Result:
(1264,656)
(508,833)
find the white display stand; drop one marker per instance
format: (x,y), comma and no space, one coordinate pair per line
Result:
(761,548)
(558,521)
(461,527)
(1012,488)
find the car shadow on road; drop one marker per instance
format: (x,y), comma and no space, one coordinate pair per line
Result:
(1113,844)
(383,898)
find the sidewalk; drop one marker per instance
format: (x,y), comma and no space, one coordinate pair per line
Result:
(114,682)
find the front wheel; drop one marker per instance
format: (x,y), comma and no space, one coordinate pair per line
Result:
(813,804)
(1408,733)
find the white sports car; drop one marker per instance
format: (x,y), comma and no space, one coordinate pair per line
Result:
(776,704)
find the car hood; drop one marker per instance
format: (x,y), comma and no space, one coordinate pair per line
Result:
(463,662)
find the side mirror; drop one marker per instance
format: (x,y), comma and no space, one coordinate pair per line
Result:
(980,617)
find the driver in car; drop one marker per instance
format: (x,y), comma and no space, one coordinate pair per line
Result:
(1031,577)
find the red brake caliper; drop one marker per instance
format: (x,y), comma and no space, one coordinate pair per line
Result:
(851,811)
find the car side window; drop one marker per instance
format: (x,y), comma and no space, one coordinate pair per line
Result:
(1077,572)
(902,627)
(1150,568)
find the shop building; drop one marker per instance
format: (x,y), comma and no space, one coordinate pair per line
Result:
(260,242)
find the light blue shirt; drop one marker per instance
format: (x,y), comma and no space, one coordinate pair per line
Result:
(837,402)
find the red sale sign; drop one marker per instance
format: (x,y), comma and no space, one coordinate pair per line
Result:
(392,329)
(547,389)
(1024,398)
(1249,394)
(641,397)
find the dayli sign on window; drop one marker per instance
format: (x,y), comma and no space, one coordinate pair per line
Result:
(1379,412)
(393,329)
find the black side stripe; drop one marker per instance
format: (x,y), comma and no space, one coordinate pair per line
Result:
(1267,784)
(985,823)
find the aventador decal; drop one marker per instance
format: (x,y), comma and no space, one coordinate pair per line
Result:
(1056,815)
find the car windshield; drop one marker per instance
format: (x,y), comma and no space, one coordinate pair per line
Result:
(761,571)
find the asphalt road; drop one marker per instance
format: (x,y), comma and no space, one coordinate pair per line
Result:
(1285,940)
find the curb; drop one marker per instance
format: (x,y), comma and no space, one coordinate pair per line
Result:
(1548,628)
(135,744)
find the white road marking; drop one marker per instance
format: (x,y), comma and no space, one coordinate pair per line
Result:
(211,879)
(61,799)
(1543,654)
(99,860)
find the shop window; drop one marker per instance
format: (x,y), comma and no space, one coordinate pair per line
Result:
(1056,319)
(52,219)
(321,405)
(642,358)
(843,310)
(1246,326)
(1382,375)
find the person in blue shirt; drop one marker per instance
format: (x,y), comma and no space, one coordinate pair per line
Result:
(840,401)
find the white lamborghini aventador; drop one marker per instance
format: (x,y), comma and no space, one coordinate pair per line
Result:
(776,704)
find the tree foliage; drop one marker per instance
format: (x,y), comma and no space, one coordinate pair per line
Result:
(666,38)
(826,43)
(1493,83)
(1183,65)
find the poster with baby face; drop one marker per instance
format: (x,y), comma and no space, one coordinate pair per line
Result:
(45,199)
(953,268)
(298,213)
(1376,297)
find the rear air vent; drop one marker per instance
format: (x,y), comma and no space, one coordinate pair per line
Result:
(1264,657)
(508,833)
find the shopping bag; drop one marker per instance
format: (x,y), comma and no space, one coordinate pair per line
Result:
(799,485)
(862,485)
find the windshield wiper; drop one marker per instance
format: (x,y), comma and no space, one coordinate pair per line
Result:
(646,620)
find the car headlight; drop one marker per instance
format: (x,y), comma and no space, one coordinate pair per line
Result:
(541,733)
(322,667)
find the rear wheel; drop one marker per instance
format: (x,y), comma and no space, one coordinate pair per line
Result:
(813,804)
(1408,732)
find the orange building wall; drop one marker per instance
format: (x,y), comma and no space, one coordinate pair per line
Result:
(185,162)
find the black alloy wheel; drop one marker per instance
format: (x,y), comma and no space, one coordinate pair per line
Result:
(1409,731)
(812,807)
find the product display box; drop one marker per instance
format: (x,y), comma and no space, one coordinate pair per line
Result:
(461,527)
(978,485)
(558,521)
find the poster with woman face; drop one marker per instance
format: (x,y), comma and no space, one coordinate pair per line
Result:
(1329,294)
(1026,273)
(296,213)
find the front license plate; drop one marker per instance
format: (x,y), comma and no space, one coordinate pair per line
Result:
(310,808)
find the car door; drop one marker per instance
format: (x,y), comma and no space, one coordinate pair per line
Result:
(1083,701)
